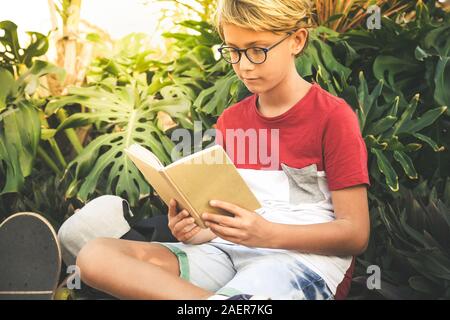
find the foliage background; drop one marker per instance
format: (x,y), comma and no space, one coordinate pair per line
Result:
(64,123)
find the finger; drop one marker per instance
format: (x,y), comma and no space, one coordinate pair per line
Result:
(176,219)
(231,239)
(188,228)
(223,220)
(180,225)
(228,207)
(190,234)
(172,208)
(228,238)
(225,231)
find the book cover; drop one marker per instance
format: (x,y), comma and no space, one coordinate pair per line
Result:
(195,180)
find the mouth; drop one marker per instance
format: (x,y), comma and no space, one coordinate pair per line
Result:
(250,79)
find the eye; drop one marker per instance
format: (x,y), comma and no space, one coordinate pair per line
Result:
(256,54)
(230,54)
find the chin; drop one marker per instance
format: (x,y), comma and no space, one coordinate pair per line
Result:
(256,89)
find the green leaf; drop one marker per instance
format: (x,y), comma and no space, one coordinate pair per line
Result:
(175,103)
(397,73)
(421,54)
(406,115)
(22,130)
(103,164)
(215,99)
(406,163)
(19,138)
(14,54)
(38,46)
(442,81)
(30,79)
(14,176)
(10,41)
(77,120)
(385,167)
(373,142)
(318,60)
(382,125)
(47,134)
(426,120)
(429,141)
(7,87)
(60,102)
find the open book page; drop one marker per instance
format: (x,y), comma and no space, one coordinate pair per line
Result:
(195,180)
(145,155)
(202,155)
(210,174)
(153,171)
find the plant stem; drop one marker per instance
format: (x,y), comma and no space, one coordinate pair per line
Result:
(54,145)
(70,133)
(41,152)
(57,152)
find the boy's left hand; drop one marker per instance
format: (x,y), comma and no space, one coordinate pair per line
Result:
(246,227)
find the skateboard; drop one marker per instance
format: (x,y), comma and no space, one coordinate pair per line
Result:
(30,258)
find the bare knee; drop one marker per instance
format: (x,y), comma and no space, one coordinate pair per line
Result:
(160,256)
(91,257)
(94,257)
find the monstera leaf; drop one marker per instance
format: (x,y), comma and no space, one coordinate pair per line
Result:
(132,117)
(15,56)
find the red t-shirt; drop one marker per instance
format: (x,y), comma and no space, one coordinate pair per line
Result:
(319,129)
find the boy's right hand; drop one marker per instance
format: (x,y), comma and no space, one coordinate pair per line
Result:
(181,224)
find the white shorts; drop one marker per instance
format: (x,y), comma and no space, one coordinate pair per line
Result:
(230,269)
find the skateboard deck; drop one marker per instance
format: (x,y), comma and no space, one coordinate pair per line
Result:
(30,258)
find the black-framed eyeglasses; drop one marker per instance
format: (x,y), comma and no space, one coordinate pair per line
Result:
(256,55)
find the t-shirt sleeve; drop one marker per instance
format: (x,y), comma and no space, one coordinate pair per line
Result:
(344,149)
(220,132)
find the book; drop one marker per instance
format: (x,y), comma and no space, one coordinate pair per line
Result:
(195,180)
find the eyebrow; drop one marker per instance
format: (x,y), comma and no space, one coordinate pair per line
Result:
(247,44)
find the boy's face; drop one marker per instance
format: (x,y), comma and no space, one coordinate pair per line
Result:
(259,78)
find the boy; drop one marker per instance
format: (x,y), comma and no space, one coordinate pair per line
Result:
(314,219)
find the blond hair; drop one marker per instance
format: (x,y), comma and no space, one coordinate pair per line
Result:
(263,15)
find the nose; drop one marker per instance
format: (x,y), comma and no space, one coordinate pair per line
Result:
(245,64)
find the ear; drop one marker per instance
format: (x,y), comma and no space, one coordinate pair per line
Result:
(300,37)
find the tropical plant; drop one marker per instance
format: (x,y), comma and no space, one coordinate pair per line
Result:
(20,125)
(202,8)
(411,58)
(387,126)
(133,98)
(129,60)
(130,115)
(397,53)
(43,194)
(409,242)
(318,62)
(13,57)
(24,130)
(344,15)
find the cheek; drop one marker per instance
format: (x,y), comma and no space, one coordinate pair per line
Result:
(272,71)
(278,66)
(236,69)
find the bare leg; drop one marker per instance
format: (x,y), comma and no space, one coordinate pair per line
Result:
(135,270)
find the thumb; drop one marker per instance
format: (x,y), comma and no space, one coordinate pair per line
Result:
(172,208)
